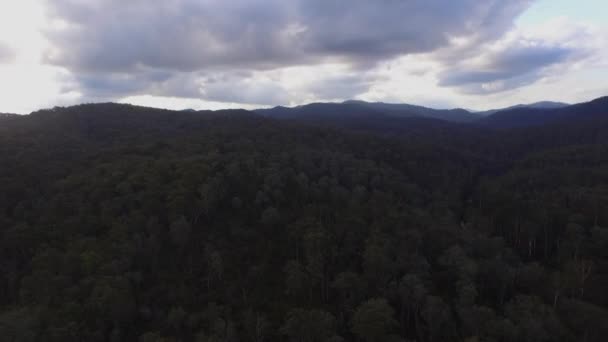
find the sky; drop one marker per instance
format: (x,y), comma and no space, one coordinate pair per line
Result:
(213,54)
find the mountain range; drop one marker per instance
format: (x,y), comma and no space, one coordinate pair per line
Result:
(536,105)
(327,222)
(359,109)
(524,117)
(397,118)
(516,116)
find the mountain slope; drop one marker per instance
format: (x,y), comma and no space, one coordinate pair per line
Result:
(360,109)
(536,105)
(315,111)
(407,110)
(526,117)
(124,223)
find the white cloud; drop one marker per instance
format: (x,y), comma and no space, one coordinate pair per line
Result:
(178,103)
(187,48)
(558,60)
(193,54)
(6,53)
(28,87)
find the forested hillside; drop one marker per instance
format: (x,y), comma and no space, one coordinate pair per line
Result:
(363,109)
(123,223)
(536,105)
(526,117)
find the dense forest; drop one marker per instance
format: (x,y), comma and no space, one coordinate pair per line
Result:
(123,223)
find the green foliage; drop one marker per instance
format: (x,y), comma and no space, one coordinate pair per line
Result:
(373,320)
(310,326)
(120,223)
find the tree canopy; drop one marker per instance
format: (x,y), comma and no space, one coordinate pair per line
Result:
(121,223)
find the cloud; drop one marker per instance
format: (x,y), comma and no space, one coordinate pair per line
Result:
(340,87)
(199,48)
(244,87)
(184,35)
(188,35)
(516,60)
(513,67)
(7,54)
(285,86)
(378,30)
(26,87)
(110,85)
(225,86)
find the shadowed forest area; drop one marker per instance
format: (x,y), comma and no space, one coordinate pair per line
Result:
(124,223)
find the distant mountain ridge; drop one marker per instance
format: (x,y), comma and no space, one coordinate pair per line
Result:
(391,117)
(526,117)
(535,105)
(523,115)
(359,109)
(408,110)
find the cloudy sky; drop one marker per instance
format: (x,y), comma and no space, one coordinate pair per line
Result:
(210,54)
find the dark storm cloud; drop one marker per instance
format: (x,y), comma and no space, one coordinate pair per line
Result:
(108,86)
(185,35)
(513,66)
(192,35)
(364,29)
(117,46)
(233,86)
